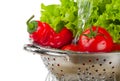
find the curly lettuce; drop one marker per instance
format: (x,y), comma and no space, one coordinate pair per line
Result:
(105,13)
(60,15)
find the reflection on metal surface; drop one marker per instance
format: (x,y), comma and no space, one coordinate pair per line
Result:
(76,66)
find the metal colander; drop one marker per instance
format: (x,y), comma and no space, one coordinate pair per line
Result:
(76,66)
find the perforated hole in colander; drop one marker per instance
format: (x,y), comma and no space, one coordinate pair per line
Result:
(89,69)
(101,66)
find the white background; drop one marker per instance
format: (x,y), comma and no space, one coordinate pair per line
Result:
(15,63)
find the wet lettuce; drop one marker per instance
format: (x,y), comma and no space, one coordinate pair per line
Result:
(105,13)
(60,15)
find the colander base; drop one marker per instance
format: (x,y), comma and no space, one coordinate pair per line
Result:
(73,77)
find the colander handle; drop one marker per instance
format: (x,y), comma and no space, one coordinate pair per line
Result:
(32,48)
(43,50)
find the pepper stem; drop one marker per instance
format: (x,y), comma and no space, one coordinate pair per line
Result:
(30,19)
(31,25)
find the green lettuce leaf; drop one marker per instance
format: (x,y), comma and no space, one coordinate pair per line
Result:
(60,15)
(105,13)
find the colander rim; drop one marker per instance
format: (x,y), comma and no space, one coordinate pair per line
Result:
(57,52)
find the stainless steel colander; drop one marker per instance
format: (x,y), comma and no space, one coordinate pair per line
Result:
(76,66)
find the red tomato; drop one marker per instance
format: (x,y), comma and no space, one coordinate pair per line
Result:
(71,47)
(95,39)
(116,47)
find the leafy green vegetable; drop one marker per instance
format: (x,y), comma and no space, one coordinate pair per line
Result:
(61,15)
(105,13)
